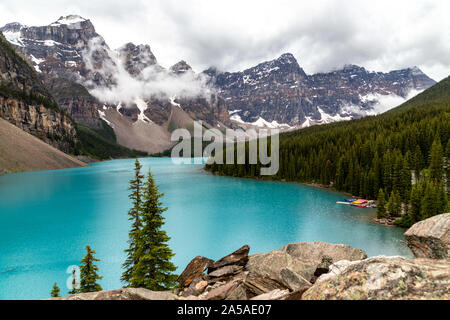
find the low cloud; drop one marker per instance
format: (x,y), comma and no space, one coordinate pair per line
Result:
(152,82)
(380,103)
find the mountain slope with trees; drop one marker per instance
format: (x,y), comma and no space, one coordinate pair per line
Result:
(403,153)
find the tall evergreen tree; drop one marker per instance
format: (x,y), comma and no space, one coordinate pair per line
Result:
(395,204)
(154,268)
(88,273)
(416,203)
(134,217)
(55,291)
(429,201)
(381,205)
(436,160)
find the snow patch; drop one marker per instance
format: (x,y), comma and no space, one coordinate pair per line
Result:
(103,117)
(172,102)
(142,106)
(37,62)
(71,19)
(14,38)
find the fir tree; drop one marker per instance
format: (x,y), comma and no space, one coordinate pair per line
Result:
(436,160)
(394,206)
(55,291)
(88,273)
(134,217)
(154,268)
(415,203)
(381,208)
(429,201)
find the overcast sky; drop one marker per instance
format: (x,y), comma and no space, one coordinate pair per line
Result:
(236,34)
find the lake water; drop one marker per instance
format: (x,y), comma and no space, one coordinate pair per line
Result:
(48,217)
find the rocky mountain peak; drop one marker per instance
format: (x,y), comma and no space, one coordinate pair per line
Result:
(69,20)
(353,68)
(180,67)
(287,58)
(416,71)
(12,27)
(136,57)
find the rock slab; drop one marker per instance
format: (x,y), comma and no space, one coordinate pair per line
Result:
(430,238)
(193,270)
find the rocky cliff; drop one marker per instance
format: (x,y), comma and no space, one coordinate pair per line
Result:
(26,103)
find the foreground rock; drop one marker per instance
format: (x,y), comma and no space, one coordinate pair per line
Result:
(194,269)
(122,294)
(311,271)
(430,238)
(315,251)
(279,274)
(385,278)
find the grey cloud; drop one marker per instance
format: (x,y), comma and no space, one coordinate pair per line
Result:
(323,34)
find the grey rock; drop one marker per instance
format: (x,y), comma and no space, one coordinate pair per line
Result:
(386,278)
(294,281)
(276,294)
(223,291)
(238,258)
(430,238)
(225,271)
(315,251)
(272,263)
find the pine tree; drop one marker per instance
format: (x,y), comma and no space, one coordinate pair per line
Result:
(88,273)
(134,216)
(415,203)
(55,291)
(442,199)
(436,160)
(381,208)
(429,201)
(394,206)
(154,269)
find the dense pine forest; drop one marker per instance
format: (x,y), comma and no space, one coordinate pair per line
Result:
(400,157)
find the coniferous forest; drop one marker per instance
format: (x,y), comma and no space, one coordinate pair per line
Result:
(400,157)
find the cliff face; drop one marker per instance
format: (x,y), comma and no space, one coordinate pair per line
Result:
(74,99)
(26,103)
(47,124)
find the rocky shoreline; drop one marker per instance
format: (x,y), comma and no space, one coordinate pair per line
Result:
(313,271)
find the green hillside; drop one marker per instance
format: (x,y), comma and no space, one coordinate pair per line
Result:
(380,152)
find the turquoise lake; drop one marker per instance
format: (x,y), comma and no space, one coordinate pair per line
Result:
(48,217)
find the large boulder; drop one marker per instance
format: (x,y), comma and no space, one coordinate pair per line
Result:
(430,238)
(122,294)
(194,270)
(272,263)
(315,251)
(385,278)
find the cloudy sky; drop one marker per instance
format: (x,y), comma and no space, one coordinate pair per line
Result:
(235,34)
